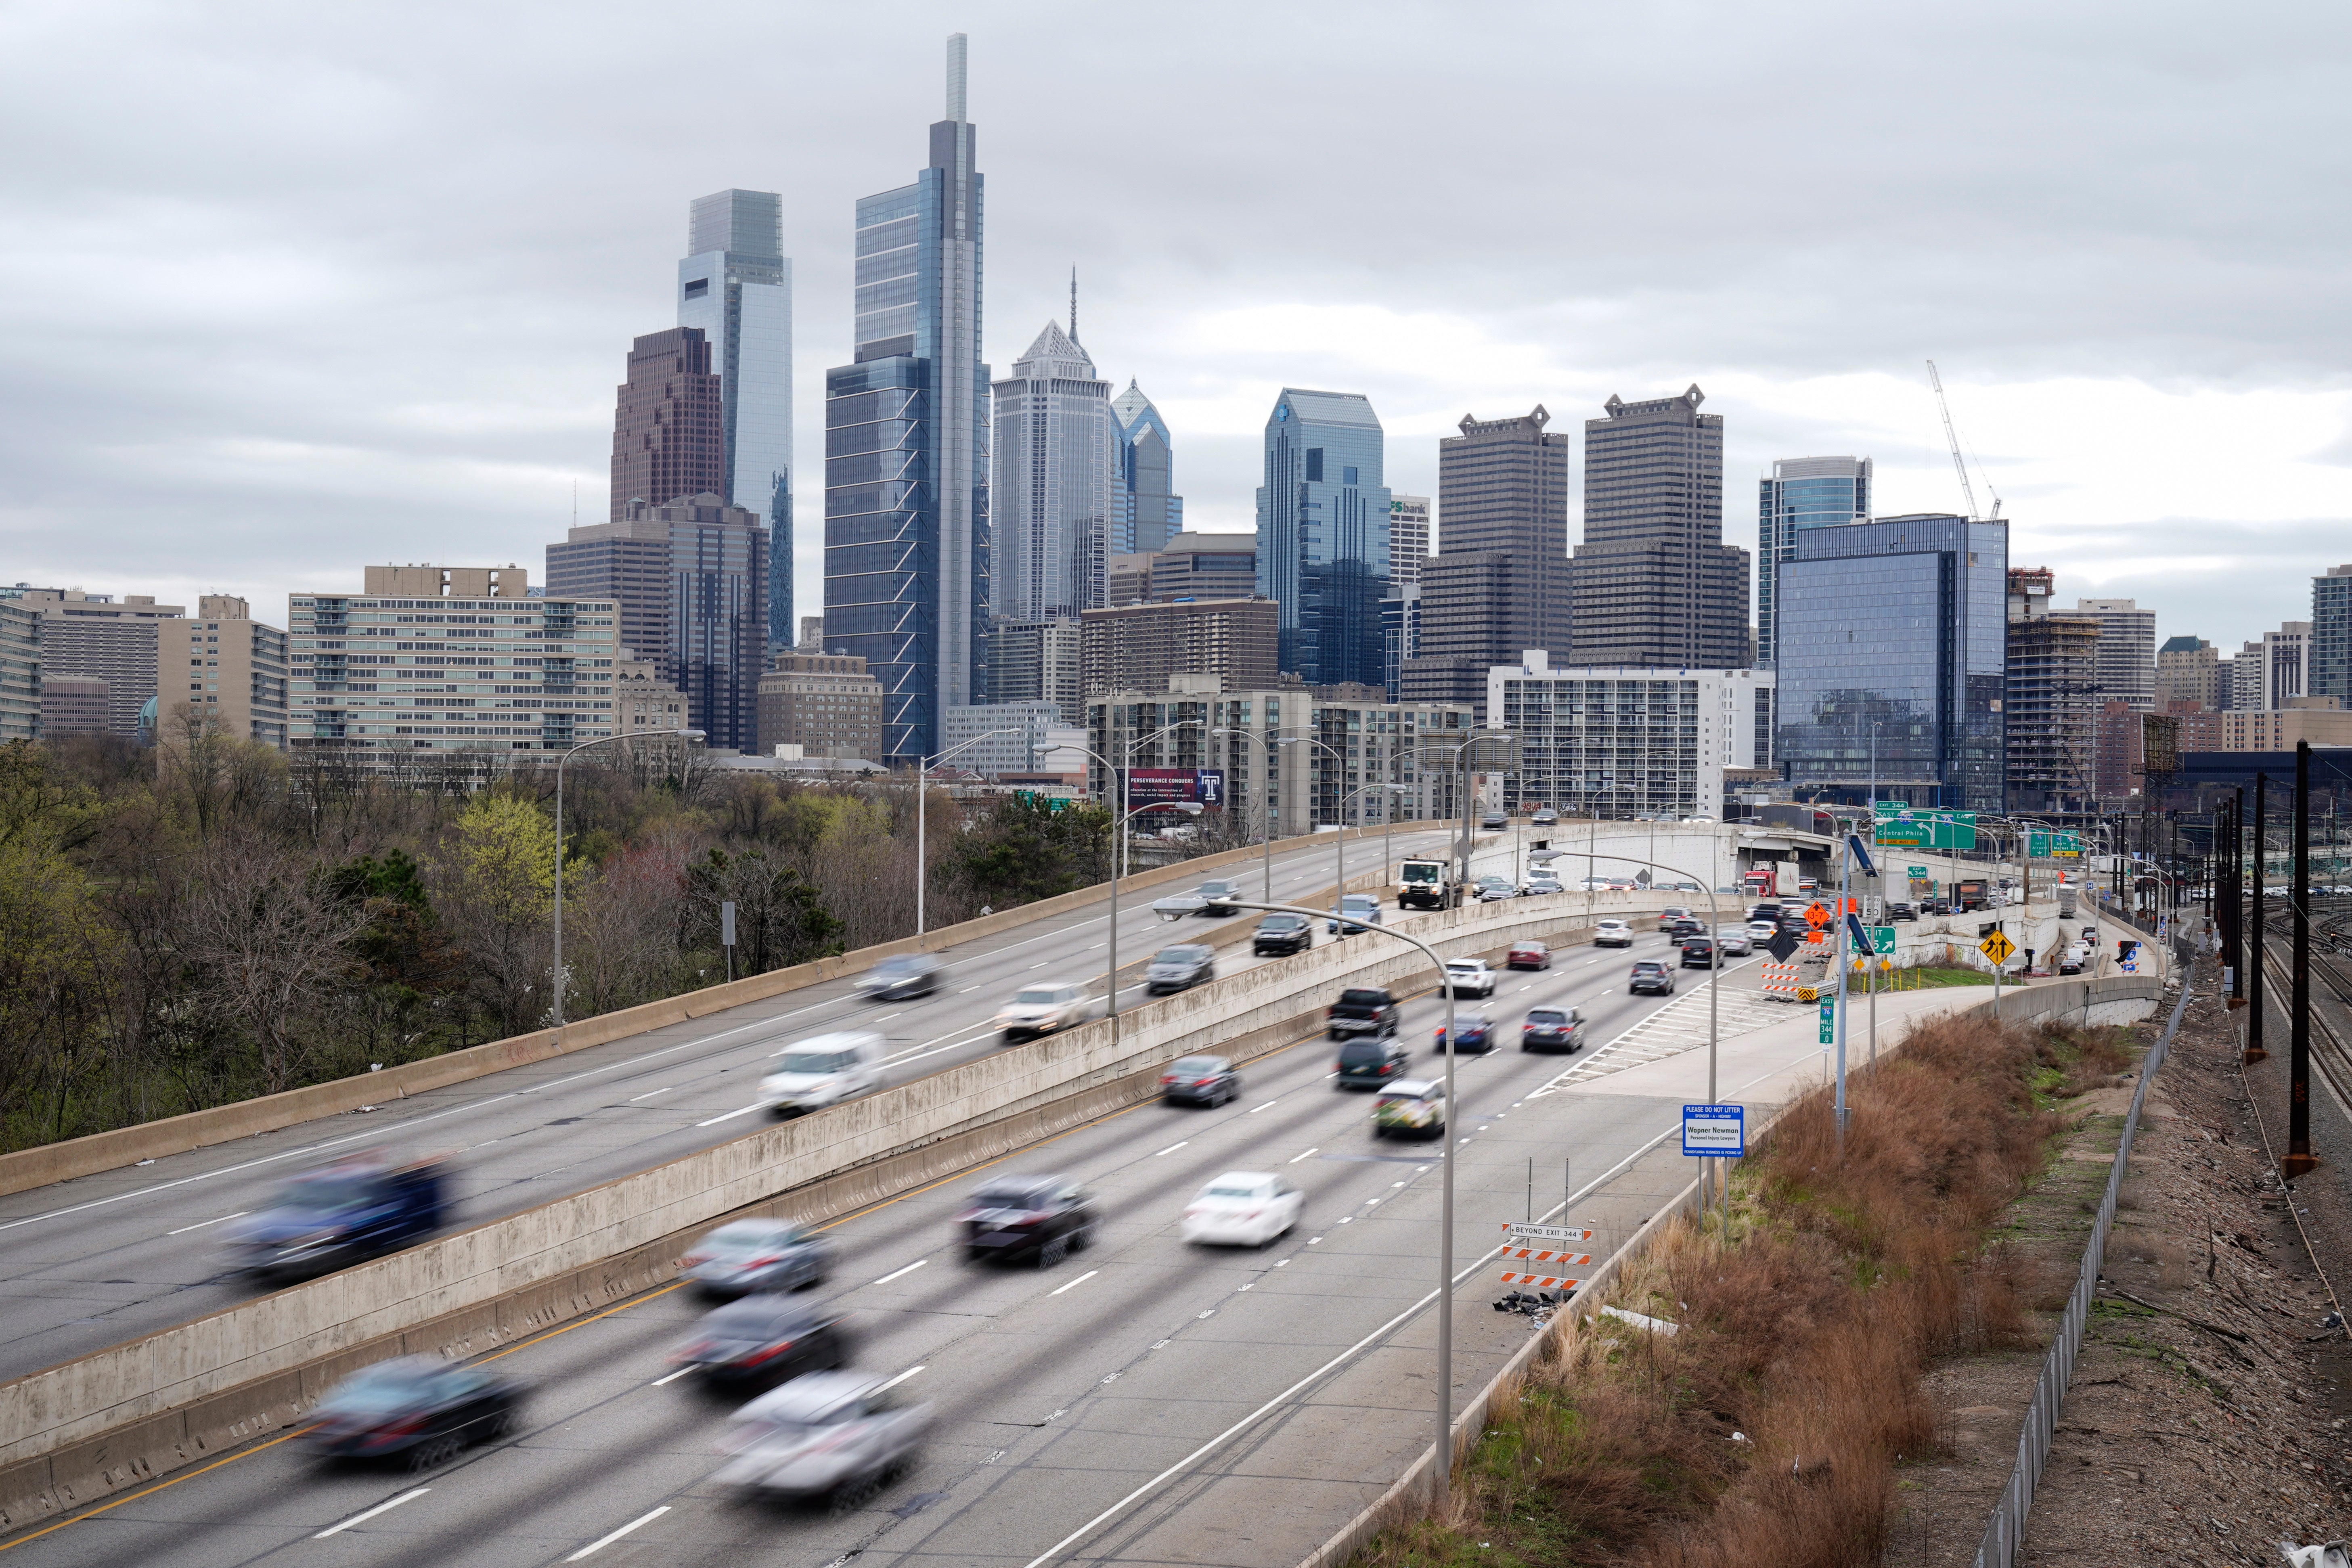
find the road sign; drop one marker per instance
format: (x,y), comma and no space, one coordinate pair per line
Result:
(1881,940)
(1782,944)
(1714,1132)
(1817,914)
(1919,873)
(1910,829)
(1829,1020)
(1997,947)
(1518,1234)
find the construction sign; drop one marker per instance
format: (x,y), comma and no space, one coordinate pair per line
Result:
(1997,947)
(1535,1255)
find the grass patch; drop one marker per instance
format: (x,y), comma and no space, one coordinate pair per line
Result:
(1931,976)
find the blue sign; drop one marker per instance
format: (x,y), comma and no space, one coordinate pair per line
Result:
(1714,1132)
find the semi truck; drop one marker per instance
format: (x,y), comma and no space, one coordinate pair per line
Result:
(341,1214)
(1969,893)
(1772,879)
(1426,884)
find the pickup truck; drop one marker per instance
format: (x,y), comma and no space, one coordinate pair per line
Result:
(1361,1010)
(338,1214)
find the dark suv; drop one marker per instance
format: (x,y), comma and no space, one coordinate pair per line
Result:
(1551,1030)
(1698,952)
(1652,977)
(1372,1062)
(1361,1010)
(1046,1218)
(1281,934)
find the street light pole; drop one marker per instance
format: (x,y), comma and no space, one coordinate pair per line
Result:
(923,766)
(684,732)
(1265,776)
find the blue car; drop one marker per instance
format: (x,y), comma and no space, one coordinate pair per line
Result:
(1475,1032)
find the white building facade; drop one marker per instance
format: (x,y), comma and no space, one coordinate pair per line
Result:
(1630,742)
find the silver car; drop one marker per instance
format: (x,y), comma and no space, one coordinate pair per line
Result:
(750,1255)
(833,1434)
(1737,942)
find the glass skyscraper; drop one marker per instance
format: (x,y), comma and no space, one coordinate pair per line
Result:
(1323,535)
(907,434)
(2331,635)
(1800,493)
(1049,506)
(1145,511)
(737,286)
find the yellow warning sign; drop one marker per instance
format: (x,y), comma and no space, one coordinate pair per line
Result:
(1997,947)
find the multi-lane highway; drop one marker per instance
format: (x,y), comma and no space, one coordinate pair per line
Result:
(1059,1393)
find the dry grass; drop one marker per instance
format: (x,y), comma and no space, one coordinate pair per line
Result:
(1806,1336)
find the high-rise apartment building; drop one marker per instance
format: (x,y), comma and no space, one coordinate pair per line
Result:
(1037,662)
(1049,509)
(690,576)
(1629,743)
(1894,658)
(1653,585)
(98,635)
(999,738)
(1323,534)
(667,438)
(1409,534)
(221,670)
(1498,584)
(2331,635)
(826,704)
(2126,651)
(2188,669)
(21,689)
(2048,698)
(2272,669)
(73,705)
(907,432)
(735,286)
(1136,647)
(1146,511)
(1800,493)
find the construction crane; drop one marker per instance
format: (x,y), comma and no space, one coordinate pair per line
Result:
(1961,467)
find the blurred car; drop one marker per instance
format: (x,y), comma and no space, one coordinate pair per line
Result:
(1219,897)
(1469,977)
(1243,1208)
(907,974)
(1735,941)
(1359,910)
(1596,884)
(1699,950)
(822,1070)
(1613,933)
(1546,817)
(1178,905)
(1650,975)
(765,1337)
(1768,911)
(1681,927)
(1179,968)
(1041,1010)
(1494,890)
(748,1254)
(1473,1034)
(413,1408)
(1199,1080)
(2074,960)
(1901,912)
(1493,820)
(1671,911)
(1370,1061)
(1279,934)
(835,1434)
(358,1207)
(1551,1030)
(1528,955)
(1044,1218)
(1415,1105)
(1361,1010)
(1761,931)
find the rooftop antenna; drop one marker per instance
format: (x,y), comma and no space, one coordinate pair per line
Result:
(1074,304)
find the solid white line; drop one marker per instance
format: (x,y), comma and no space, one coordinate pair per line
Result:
(901,1377)
(596,1546)
(1253,1109)
(363,1518)
(673,1377)
(1173,1147)
(650,1093)
(1074,1283)
(738,1111)
(200,1224)
(1294,1160)
(899,1273)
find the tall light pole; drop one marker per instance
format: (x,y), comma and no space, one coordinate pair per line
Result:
(1119,777)
(1339,786)
(923,766)
(1265,777)
(686,733)
(1119,831)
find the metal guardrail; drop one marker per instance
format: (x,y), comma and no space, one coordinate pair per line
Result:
(2005,1533)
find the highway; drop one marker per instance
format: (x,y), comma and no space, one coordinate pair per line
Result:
(1058,1392)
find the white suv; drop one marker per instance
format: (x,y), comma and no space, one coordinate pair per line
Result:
(1041,1010)
(822,1070)
(1613,933)
(1469,977)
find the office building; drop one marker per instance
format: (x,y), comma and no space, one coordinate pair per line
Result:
(98,635)
(907,432)
(1498,582)
(73,705)
(1049,507)
(826,704)
(1146,511)
(2274,670)
(641,698)
(459,669)
(736,287)
(1190,566)
(24,695)
(1037,662)
(1323,534)
(2048,698)
(1653,585)
(1136,647)
(1400,634)
(2321,720)
(2126,651)
(666,425)
(691,578)
(1302,759)
(221,672)
(1892,660)
(1800,493)
(972,734)
(2330,661)
(1630,742)
(1409,534)
(2190,669)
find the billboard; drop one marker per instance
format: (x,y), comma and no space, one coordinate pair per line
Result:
(1154,786)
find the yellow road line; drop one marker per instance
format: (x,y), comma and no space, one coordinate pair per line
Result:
(149,1491)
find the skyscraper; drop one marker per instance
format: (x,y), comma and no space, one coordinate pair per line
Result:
(1146,512)
(737,287)
(1801,492)
(666,438)
(1408,540)
(1654,587)
(2331,635)
(1323,535)
(1049,507)
(906,430)
(2127,650)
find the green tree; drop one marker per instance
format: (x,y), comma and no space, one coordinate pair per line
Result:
(56,975)
(499,882)
(1019,851)
(779,919)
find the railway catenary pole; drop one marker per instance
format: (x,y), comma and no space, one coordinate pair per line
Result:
(2254,976)
(2299,1157)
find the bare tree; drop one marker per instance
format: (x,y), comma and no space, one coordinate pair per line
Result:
(273,944)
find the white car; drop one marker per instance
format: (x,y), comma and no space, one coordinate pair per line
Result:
(1243,1208)
(1041,1010)
(1613,933)
(1469,977)
(822,1070)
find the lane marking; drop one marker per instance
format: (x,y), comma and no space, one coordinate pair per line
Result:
(595,1546)
(1074,1283)
(363,1518)
(1173,1147)
(673,1377)
(739,1110)
(902,1377)
(201,1224)
(649,1094)
(901,1273)
(1297,1158)
(1253,1109)
(158,1486)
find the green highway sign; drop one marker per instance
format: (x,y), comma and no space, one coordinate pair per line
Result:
(1829,1021)
(2043,846)
(1919,873)
(1905,828)
(1881,940)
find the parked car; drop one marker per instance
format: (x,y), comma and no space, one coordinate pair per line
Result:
(1736,942)
(1278,934)
(1361,1010)
(1219,897)
(908,974)
(1613,933)
(1699,950)
(1179,968)
(1243,1208)
(1493,819)
(1528,955)
(1551,1030)
(1415,1106)
(1359,910)
(1372,1061)
(1473,1034)
(768,1338)
(822,1070)
(1044,1218)
(1199,1080)
(1493,889)
(416,1409)
(1545,817)
(1650,975)
(1901,912)
(841,1435)
(748,1254)
(1469,977)
(1042,1009)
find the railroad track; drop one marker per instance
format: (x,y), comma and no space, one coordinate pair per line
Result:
(2331,1052)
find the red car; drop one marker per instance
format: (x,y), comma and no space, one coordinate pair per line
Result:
(1528,955)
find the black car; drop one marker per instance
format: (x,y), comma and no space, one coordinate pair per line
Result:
(1473,1034)
(1765,913)
(1372,1061)
(1217,898)
(906,976)
(1199,1080)
(748,1254)
(1681,927)
(1282,934)
(1551,1030)
(1043,1218)
(1179,968)
(1901,912)
(1361,1010)
(414,1408)
(765,1337)
(1652,977)
(1698,952)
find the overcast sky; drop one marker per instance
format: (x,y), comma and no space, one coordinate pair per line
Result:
(290,289)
